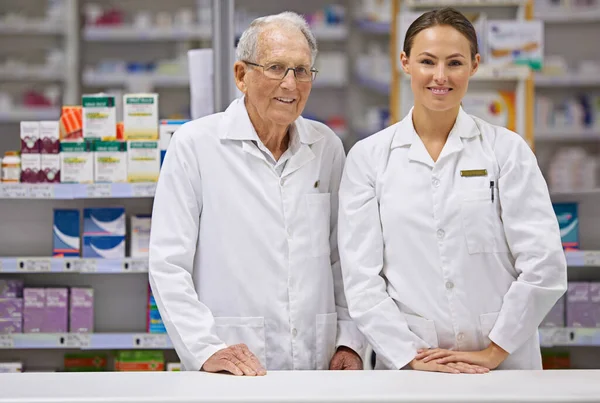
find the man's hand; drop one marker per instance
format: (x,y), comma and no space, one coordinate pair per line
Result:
(345,359)
(450,368)
(237,360)
(489,358)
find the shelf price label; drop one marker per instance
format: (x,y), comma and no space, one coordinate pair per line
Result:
(143,189)
(591,259)
(136,266)
(86,265)
(99,190)
(42,191)
(77,340)
(34,265)
(150,341)
(7,341)
(15,191)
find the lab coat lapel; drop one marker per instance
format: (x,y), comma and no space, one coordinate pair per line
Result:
(298,160)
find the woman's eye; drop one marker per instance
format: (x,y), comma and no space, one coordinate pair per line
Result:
(455,63)
(427,61)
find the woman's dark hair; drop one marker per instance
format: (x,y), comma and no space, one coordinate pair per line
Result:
(445,16)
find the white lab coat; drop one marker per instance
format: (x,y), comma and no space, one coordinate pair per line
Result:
(239,254)
(429,260)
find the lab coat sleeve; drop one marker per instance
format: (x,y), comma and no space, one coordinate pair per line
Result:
(174,233)
(361,251)
(348,334)
(533,236)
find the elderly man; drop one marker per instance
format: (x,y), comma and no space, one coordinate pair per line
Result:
(243,253)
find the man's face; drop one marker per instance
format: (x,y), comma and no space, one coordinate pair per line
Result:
(277,102)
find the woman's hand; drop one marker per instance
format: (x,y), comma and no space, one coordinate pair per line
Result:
(489,358)
(450,368)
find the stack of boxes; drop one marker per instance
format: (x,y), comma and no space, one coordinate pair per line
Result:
(40,159)
(578,308)
(104,233)
(154,323)
(45,309)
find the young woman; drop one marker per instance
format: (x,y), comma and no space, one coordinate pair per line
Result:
(450,249)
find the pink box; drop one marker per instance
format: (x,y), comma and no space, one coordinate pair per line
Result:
(57,311)
(49,137)
(30,138)
(595,302)
(81,314)
(50,168)
(31,168)
(9,326)
(579,305)
(34,309)
(11,308)
(12,288)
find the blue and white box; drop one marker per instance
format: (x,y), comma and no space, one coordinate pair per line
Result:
(104,247)
(104,221)
(568,222)
(166,129)
(65,233)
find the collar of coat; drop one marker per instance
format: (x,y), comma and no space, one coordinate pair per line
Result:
(464,127)
(237,126)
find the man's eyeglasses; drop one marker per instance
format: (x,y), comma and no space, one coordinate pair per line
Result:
(278,71)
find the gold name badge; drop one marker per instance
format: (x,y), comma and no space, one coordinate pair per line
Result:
(473,172)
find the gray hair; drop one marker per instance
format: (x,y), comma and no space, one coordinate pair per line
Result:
(247,47)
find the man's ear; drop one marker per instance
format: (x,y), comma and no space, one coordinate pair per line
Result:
(239,73)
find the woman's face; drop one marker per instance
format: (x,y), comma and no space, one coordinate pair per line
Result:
(440,65)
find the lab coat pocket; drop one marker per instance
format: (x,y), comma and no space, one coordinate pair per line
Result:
(319,216)
(423,328)
(482,226)
(487,322)
(247,330)
(326,339)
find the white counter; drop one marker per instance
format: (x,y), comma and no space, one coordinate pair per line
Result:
(309,386)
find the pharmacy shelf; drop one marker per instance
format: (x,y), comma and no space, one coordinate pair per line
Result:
(575,194)
(32,113)
(39,265)
(42,75)
(330,32)
(30,27)
(465,3)
(86,341)
(567,80)
(583,258)
(76,191)
(374,85)
(562,16)
(373,27)
(564,337)
(127,33)
(566,134)
(95,79)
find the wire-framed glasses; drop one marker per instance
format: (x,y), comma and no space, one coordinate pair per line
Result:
(278,71)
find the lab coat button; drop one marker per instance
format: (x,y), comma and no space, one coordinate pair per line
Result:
(294,332)
(460,336)
(435,182)
(449,285)
(440,233)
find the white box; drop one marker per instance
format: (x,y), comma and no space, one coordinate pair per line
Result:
(515,42)
(50,170)
(10,367)
(140,116)
(76,163)
(166,130)
(143,161)
(140,236)
(110,161)
(30,168)
(30,137)
(99,116)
